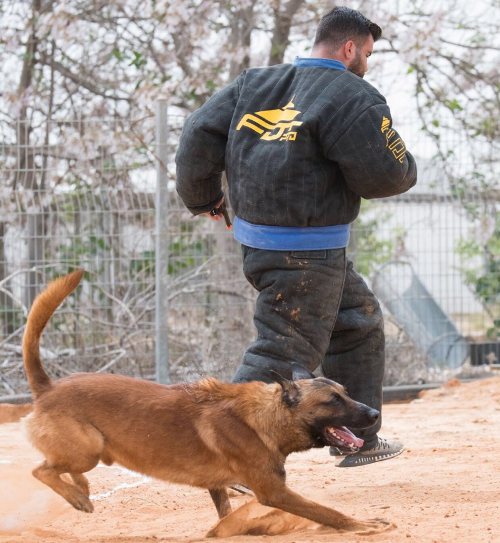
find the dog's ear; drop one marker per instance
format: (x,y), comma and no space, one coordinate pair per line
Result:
(290,391)
(299,372)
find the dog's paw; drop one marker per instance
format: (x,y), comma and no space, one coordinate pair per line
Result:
(372,526)
(81,502)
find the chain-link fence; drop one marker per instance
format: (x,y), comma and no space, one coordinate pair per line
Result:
(83,193)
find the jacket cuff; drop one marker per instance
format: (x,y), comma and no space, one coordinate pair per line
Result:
(198,210)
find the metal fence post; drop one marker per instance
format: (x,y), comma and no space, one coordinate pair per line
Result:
(161,245)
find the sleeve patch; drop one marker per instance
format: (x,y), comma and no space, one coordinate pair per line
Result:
(393,142)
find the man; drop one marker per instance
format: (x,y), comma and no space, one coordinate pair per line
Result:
(301,144)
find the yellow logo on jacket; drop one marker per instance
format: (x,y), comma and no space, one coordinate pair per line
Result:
(273,124)
(395,145)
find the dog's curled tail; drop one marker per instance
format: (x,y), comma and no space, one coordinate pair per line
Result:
(42,309)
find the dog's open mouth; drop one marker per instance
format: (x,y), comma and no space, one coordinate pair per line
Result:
(343,439)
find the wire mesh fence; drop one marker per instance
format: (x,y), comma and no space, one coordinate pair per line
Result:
(83,193)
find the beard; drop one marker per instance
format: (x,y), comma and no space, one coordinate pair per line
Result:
(356,66)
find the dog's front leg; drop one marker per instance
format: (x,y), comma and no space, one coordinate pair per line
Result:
(278,495)
(221,500)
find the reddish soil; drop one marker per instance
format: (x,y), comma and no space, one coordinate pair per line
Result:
(444,488)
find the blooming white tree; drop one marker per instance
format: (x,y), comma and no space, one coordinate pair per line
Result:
(66,61)
(91,58)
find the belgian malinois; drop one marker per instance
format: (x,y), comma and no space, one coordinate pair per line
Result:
(207,434)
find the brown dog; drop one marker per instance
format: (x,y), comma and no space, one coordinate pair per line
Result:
(207,434)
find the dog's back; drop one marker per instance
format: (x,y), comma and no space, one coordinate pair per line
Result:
(169,432)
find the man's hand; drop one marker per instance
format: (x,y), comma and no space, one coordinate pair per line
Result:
(210,214)
(219,212)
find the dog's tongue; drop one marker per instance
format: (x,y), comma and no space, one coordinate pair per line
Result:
(346,435)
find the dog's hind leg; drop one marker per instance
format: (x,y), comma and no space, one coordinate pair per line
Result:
(68,447)
(81,482)
(221,500)
(50,475)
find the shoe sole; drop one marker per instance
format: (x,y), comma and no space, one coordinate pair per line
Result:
(350,462)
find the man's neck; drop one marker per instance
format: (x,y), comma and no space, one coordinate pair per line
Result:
(323,51)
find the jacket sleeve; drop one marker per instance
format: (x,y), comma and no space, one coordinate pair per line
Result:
(201,152)
(373,157)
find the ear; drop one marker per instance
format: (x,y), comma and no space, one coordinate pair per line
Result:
(290,391)
(349,49)
(299,372)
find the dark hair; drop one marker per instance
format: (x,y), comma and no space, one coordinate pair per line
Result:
(342,24)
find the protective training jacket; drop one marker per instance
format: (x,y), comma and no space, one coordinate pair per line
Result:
(300,143)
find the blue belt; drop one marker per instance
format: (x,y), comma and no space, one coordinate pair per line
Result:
(291,238)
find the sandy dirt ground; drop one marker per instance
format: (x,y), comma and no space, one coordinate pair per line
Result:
(444,488)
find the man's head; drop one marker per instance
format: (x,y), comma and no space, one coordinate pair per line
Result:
(346,35)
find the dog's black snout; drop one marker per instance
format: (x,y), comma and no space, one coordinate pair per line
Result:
(364,416)
(373,415)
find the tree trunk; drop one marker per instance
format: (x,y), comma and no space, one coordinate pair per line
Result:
(283,17)
(242,25)
(26,174)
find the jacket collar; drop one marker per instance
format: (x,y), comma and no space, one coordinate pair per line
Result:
(313,62)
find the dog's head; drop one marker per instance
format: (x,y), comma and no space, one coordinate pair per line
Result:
(324,410)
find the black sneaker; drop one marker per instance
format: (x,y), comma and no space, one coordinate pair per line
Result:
(383,449)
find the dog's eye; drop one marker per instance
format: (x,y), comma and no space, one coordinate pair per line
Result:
(335,399)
